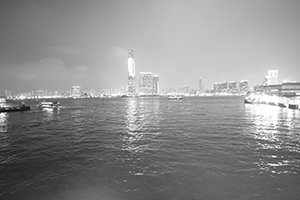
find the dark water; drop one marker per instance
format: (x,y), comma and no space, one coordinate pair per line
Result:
(150,148)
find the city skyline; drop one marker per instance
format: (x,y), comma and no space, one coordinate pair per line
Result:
(148,84)
(54,45)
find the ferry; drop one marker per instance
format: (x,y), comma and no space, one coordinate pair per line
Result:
(46,104)
(175,98)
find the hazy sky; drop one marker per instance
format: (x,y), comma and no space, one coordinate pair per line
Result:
(54,44)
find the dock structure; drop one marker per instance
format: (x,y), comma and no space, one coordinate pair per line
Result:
(283,102)
(285,95)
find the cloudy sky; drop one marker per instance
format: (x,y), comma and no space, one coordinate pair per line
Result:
(59,43)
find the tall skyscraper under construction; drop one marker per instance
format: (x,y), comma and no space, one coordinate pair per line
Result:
(131,73)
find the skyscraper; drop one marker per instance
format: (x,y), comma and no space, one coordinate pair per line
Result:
(75,91)
(200,85)
(131,73)
(243,86)
(145,83)
(155,82)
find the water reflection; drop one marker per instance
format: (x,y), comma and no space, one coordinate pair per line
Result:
(3,122)
(266,121)
(276,134)
(133,120)
(49,113)
(141,128)
(4,137)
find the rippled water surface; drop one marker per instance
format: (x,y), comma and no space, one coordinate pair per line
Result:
(150,148)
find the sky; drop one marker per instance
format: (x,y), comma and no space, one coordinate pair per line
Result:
(56,44)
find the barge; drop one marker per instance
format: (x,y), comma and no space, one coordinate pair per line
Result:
(14,108)
(4,107)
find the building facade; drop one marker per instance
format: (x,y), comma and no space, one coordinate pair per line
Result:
(231,87)
(155,82)
(272,78)
(75,91)
(201,89)
(145,83)
(131,73)
(243,86)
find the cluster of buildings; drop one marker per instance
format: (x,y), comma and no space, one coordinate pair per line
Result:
(231,87)
(272,87)
(271,92)
(147,83)
(74,92)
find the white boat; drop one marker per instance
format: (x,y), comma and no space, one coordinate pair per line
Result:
(175,98)
(46,104)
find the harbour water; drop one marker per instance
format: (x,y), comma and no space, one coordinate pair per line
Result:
(150,148)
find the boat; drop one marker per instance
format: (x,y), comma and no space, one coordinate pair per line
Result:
(10,108)
(175,98)
(248,100)
(47,104)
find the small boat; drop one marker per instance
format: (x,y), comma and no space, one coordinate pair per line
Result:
(248,100)
(46,104)
(175,98)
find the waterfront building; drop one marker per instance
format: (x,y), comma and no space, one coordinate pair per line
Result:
(186,90)
(233,87)
(145,83)
(223,87)
(271,78)
(243,86)
(155,87)
(216,87)
(131,73)
(75,91)
(8,94)
(56,94)
(286,89)
(38,94)
(2,98)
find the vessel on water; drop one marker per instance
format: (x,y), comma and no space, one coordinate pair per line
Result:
(175,98)
(13,108)
(47,104)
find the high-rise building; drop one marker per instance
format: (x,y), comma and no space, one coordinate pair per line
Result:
(75,91)
(200,85)
(131,73)
(145,83)
(8,94)
(233,87)
(155,82)
(216,87)
(243,86)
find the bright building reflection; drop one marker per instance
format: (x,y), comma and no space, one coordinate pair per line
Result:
(4,135)
(3,122)
(49,113)
(265,119)
(133,120)
(141,128)
(275,132)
